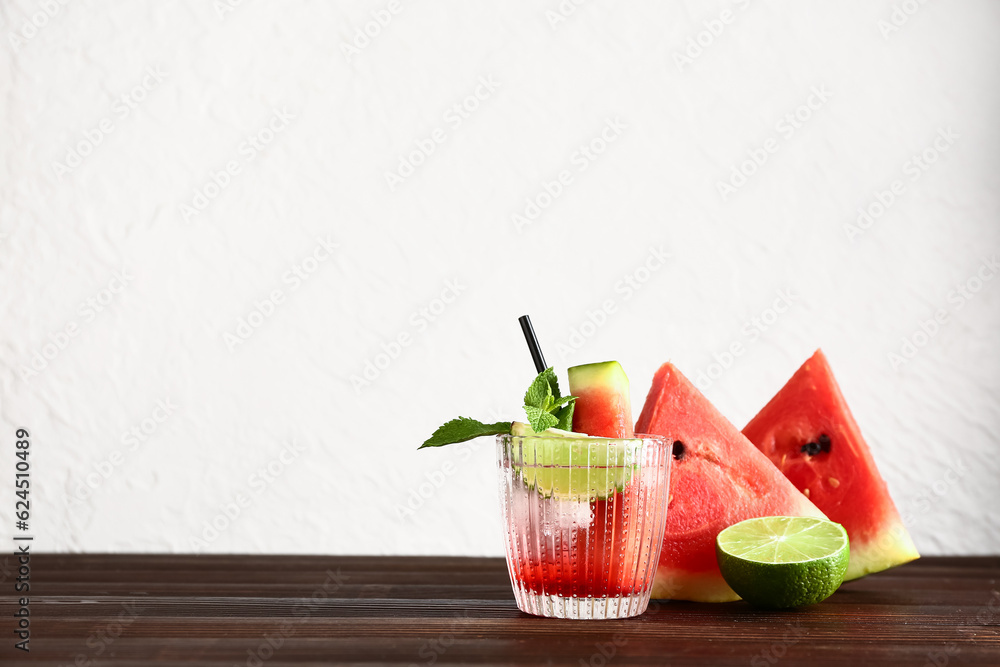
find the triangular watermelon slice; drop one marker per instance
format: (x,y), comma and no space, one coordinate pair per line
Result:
(718,478)
(808,432)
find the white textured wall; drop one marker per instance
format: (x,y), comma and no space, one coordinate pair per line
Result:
(94,185)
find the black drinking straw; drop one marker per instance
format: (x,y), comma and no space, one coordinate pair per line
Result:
(529,336)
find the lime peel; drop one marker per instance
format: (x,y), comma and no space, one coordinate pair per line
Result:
(782,561)
(572,466)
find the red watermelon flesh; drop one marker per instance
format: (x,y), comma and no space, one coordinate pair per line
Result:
(718,478)
(808,431)
(603,407)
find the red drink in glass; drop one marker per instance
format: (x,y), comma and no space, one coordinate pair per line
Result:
(584,519)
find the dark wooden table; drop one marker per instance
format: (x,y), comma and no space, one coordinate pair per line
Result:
(89,610)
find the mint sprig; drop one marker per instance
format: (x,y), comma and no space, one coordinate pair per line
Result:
(543,404)
(462,429)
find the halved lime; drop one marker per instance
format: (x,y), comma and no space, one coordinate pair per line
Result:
(572,466)
(783,561)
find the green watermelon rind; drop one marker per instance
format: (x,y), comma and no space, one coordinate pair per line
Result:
(890,544)
(603,399)
(676,408)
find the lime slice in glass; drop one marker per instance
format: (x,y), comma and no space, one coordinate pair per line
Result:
(573,466)
(783,561)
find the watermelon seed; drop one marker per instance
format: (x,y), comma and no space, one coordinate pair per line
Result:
(678,450)
(811,448)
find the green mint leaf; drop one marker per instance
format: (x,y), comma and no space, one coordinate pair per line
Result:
(565,415)
(462,429)
(550,376)
(539,419)
(544,384)
(559,402)
(547,403)
(545,406)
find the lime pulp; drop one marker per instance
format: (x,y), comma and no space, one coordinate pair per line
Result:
(782,561)
(574,466)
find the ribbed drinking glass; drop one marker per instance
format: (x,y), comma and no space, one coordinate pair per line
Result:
(584,521)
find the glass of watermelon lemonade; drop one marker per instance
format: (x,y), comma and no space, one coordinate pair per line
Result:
(584,521)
